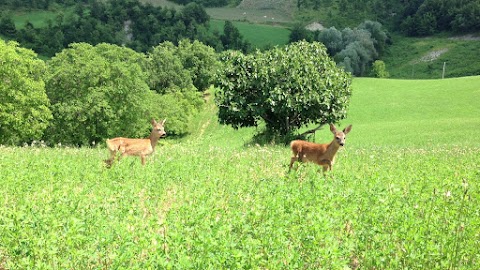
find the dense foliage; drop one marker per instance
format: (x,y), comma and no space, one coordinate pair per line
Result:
(24,112)
(122,22)
(97,92)
(102,91)
(433,16)
(200,60)
(286,88)
(169,76)
(414,17)
(353,49)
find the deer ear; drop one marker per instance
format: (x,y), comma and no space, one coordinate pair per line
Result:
(154,122)
(333,129)
(163,122)
(347,129)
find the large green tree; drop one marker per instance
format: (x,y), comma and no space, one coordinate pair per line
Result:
(98,92)
(24,112)
(200,61)
(286,88)
(180,99)
(355,49)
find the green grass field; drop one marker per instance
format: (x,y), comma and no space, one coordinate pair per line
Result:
(38,18)
(404,194)
(415,113)
(260,36)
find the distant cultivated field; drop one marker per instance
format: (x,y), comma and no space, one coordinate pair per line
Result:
(259,35)
(270,12)
(259,16)
(404,194)
(38,18)
(163,3)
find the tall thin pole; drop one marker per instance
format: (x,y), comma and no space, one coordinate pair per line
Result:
(443,72)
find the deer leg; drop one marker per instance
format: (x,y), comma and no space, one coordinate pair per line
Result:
(325,168)
(327,164)
(142,157)
(300,155)
(292,160)
(110,161)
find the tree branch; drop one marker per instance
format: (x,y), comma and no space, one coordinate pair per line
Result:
(312,130)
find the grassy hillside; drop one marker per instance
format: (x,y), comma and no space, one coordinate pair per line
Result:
(415,112)
(423,58)
(404,194)
(394,113)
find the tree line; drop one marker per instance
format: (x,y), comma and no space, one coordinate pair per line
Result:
(122,22)
(353,49)
(88,93)
(412,17)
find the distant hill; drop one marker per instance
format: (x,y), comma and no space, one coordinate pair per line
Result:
(267,23)
(424,58)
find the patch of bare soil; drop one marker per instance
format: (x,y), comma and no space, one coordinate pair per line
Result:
(315,26)
(466,37)
(433,55)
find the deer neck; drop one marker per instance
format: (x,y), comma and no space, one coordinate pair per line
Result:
(332,148)
(153,140)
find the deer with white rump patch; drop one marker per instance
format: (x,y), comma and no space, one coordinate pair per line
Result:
(135,147)
(321,154)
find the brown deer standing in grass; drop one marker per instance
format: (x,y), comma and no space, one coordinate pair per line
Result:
(322,154)
(135,147)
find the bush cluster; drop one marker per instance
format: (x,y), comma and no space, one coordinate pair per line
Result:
(353,49)
(87,93)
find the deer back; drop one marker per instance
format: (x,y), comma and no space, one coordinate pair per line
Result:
(309,151)
(131,147)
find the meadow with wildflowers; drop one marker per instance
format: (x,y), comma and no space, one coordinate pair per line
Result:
(404,194)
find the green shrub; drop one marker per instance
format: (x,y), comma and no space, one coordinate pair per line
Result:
(379,69)
(179,99)
(24,112)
